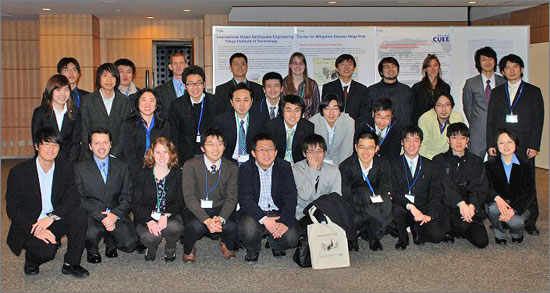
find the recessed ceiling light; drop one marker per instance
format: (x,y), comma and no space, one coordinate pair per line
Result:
(149,17)
(186,10)
(472,2)
(108,1)
(46,9)
(331,2)
(117,10)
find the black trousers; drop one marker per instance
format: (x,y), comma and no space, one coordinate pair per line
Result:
(124,237)
(171,233)
(374,218)
(195,230)
(74,226)
(251,232)
(531,222)
(403,218)
(474,232)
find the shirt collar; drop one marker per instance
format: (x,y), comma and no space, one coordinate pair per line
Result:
(269,104)
(106,98)
(131,89)
(41,171)
(262,170)
(514,85)
(514,161)
(345,84)
(414,160)
(193,102)
(57,112)
(209,164)
(484,79)
(365,170)
(239,118)
(176,82)
(288,128)
(98,161)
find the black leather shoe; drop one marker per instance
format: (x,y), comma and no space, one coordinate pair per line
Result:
(278,253)
(75,270)
(532,231)
(417,238)
(94,258)
(111,253)
(251,257)
(517,240)
(353,245)
(170,258)
(375,245)
(31,268)
(267,246)
(500,241)
(150,255)
(449,238)
(140,248)
(401,244)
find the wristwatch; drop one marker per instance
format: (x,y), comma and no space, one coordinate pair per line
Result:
(52,216)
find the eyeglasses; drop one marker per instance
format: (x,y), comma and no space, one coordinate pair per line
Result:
(194,84)
(368,148)
(315,152)
(212,144)
(388,66)
(263,151)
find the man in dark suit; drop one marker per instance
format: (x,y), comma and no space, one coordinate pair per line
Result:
(352,94)
(400,94)
(415,193)
(105,107)
(517,106)
(267,196)
(238,65)
(127,71)
(273,87)
(290,130)
(70,68)
(239,126)
(475,98)
(105,189)
(192,114)
(366,186)
(385,125)
(42,204)
(174,88)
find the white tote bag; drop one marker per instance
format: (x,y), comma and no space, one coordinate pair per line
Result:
(328,244)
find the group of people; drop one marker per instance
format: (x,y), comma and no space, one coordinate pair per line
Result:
(133,166)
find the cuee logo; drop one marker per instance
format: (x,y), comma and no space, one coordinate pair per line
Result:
(442,38)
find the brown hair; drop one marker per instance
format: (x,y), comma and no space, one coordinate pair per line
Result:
(289,82)
(56,81)
(149,159)
(426,81)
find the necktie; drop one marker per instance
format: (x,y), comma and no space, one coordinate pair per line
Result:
(379,134)
(488,91)
(103,170)
(242,139)
(180,90)
(346,92)
(213,169)
(271,112)
(411,167)
(316,183)
(288,152)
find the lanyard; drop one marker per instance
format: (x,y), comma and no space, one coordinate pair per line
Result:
(200,117)
(148,133)
(508,96)
(303,89)
(157,189)
(75,91)
(127,91)
(387,132)
(442,127)
(368,182)
(329,142)
(208,191)
(417,173)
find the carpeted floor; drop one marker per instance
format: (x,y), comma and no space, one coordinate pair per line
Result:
(457,267)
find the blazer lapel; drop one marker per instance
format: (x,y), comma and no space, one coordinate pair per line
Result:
(98,101)
(56,184)
(35,183)
(94,171)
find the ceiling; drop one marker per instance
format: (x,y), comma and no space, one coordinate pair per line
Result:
(172,9)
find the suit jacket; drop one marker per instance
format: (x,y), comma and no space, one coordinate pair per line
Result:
(227,124)
(400,94)
(261,108)
(223,94)
(276,128)
(283,190)
(23,198)
(357,102)
(530,112)
(77,99)
(342,146)
(167,94)
(95,115)
(96,196)
(145,195)
(134,138)
(426,190)
(391,145)
(183,128)
(521,190)
(70,130)
(475,109)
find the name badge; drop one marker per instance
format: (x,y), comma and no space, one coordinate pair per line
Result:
(376,199)
(328,161)
(410,197)
(155,215)
(243,158)
(511,118)
(206,204)
(198,138)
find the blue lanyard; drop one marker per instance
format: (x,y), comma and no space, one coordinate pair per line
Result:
(148,133)
(208,191)
(127,91)
(368,182)
(77,97)
(442,127)
(417,173)
(200,117)
(508,96)
(387,132)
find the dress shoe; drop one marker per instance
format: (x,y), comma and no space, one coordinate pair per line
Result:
(500,241)
(517,240)
(251,257)
(170,258)
(189,257)
(449,238)
(401,244)
(375,245)
(417,238)
(31,268)
(150,254)
(532,231)
(111,253)
(75,270)
(94,257)
(213,236)
(353,245)
(181,239)
(267,246)
(140,248)
(227,254)
(278,253)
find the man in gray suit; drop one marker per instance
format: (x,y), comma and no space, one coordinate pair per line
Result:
(475,98)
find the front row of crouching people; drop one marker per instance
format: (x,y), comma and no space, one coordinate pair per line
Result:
(440,199)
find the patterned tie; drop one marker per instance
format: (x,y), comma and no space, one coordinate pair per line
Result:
(411,167)
(213,169)
(180,90)
(242,139)
(103,170)
(288,151)
(271,112)
(379,134)
(346,92)
(488,91)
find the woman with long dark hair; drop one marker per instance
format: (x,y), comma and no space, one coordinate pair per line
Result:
(298,83)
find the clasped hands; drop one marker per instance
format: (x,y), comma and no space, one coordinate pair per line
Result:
(214,224)
(275,228)
(40,230)
(506,211)
(467,212)
(109,221)
(156,227)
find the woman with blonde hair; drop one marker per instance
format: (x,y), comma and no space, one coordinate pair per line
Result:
(298,83)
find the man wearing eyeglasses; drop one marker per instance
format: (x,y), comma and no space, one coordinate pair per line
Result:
(267,197)
(366,186)
(69,67)
(174,88)
(191,115)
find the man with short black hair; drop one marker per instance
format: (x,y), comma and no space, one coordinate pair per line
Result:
(127,72)
(173,88)
(69,67)
(271,105)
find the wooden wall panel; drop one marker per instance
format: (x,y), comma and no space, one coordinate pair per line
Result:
(139,77)
(18,112)
(20,30)
(20,84)
(20,54)
(54,47)
(137,50)
(76,24)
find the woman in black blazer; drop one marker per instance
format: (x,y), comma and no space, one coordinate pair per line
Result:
(158,200)
(513,189)
(144,126)
(58,112)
